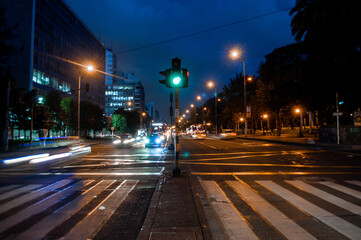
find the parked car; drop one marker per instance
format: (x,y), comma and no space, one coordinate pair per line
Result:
(124,140)
(154,140)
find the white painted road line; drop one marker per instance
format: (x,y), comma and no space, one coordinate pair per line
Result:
(354,182)
(88,227)
(40,206)
(349,230)
(39,230)
(281,222)
(234,224)
(326,196)
(32,195)
(18,191)
(342,189)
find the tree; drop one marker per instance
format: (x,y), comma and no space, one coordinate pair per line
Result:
(126,121)
(331,32)
(69,107)
(282,80)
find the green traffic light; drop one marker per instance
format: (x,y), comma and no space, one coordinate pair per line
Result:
(176,80)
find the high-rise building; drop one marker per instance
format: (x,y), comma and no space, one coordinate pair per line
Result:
(125,92)
(149,108)
(110,65)
(53,47)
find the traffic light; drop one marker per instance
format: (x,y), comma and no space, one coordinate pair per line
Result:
(176,77)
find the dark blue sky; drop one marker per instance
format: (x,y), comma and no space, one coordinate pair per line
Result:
(125,25)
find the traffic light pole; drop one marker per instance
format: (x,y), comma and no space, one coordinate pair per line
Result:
(176,170)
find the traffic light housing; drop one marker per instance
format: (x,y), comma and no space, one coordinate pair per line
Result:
(175,77)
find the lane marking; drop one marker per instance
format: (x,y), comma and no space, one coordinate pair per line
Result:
(9,187)
(342,189)
(234,224)
(40,206)
(33,195)
(326,196)
(349,230)
(271,173)
(88,227)
(265,165)
(19,191)
(281,222)
(354,182)
(207,145)
(40,229)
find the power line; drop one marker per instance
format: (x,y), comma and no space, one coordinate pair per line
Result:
(204,31)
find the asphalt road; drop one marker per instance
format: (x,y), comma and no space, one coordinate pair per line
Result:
(104,194)
(249,190)
(260,190)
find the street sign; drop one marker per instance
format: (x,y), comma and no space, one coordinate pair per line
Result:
(337,114)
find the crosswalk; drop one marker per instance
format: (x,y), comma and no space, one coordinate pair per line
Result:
(36,211)
(334,208)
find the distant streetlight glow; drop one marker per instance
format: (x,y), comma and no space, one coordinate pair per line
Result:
(234,54)
(90,68)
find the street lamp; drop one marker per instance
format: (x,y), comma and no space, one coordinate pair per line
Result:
(89,68)
(300,112)
(235,54)
(199,98)
(211,85)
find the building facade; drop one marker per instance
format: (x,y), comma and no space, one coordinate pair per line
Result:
(149,108)
(125,92)
(53,46)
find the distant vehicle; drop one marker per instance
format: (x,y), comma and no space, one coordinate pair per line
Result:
(228,133)
(199,135)
(124,140)
(154,140)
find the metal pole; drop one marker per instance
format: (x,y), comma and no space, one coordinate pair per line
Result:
(244,93)
(32,124)
(176,170)
(79,106)
(338,120)
(215,100)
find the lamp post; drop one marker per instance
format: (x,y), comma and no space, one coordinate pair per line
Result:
(89,68)
(301,122)
(195,113)
(234,54)
(199,98)
(210,85)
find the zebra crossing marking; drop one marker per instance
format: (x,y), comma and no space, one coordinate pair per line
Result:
(32,195)
(354,182)
(88,227)
(281,222)
(40,229)
(7,188)
(326,196)
(349,230)
(234,224)
(40,206)
(343,189)
(18,191)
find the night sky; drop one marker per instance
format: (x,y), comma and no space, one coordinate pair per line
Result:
(127,26)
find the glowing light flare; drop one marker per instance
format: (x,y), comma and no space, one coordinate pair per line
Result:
(234,54)
(90,68)
(53,157)
(26,158)
(176,80)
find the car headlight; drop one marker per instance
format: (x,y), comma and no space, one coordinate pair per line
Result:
(158,140)
(116,141)
(146,141)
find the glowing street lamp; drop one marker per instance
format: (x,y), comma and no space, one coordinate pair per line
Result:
(235,54)
(298,110)
(89,68)
(211,85)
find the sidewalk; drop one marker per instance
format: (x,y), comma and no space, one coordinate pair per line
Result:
(307,140)
(175,212)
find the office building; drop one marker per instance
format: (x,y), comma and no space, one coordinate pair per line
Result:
(52,43)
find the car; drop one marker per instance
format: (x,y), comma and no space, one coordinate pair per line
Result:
(124,140)
(228,133)
(154,140)
(199,135)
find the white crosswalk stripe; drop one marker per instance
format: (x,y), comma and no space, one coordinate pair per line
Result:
(281,221)
(59,194)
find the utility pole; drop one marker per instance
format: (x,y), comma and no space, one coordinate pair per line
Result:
(176,170)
